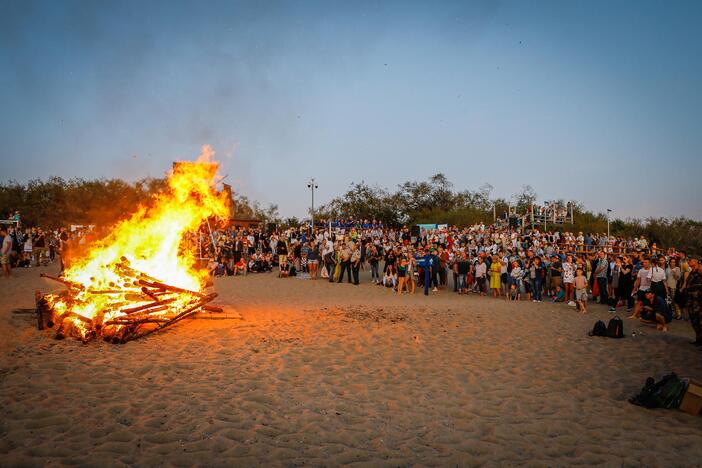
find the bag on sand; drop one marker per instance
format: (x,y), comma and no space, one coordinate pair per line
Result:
(615,328)
(600,329)
(324,273)
(666,393)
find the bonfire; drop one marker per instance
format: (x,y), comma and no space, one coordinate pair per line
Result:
(144,276)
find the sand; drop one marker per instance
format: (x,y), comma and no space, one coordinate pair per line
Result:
(320,374)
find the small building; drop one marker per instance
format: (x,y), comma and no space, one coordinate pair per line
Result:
(247,223)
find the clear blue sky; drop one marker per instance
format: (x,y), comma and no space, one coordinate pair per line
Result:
(595,101)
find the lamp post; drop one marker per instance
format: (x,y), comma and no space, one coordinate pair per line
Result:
(312,186)
(608,212)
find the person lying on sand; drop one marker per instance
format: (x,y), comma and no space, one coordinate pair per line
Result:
(655,311)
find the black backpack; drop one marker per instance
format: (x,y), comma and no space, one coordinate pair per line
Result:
(666,393)
(600,329)
(615,328)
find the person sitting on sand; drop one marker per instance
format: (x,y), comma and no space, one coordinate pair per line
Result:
(655,310)
(240,267)
(390,279)
(513,294)
(559,295)
(580,284)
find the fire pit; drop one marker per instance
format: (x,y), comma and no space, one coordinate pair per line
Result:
(143,277)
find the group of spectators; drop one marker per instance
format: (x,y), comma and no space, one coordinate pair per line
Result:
(513,264)
(653,285)
(27,247)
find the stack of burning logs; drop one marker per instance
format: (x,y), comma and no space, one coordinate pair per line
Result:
(133,306)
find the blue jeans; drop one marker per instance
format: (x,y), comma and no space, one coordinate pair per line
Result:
(536,286)
(461,281)
(374,272)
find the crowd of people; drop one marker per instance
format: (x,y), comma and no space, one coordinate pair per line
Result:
(576,269)
(653,285)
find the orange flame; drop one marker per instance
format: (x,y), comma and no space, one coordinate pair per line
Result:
(152,239)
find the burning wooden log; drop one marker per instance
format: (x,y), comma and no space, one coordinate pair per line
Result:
(115,322)
(187,312)
(168,287)
(150,305)
(70,284)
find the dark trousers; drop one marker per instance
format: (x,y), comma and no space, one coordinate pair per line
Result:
(695,310)
(442,276)
(536,285)
(374,272)
(355,269)
(602,285)
(330,269)
(345,267)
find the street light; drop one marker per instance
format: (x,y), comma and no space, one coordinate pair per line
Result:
(312,186)
(608,212)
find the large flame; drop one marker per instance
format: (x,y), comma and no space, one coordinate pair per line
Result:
(151,240)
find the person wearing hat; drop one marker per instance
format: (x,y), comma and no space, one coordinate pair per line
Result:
(655,311)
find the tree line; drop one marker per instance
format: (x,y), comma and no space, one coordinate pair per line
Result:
(58,202)
(436,201)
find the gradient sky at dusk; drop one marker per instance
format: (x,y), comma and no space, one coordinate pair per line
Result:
(595,101)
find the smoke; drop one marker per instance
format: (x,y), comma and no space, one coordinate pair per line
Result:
(207,154)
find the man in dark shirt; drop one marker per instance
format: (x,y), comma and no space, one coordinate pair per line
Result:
(693,291)
(462,269)
(556,271)
(655,311)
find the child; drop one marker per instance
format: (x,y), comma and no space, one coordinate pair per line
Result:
(559,295)
(514,294)
(240,266)
(581,290)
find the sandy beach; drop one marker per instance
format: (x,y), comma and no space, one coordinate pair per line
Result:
(324,375)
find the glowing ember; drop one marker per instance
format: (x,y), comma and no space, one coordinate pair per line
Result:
(143,276)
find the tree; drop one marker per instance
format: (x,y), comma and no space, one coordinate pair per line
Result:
(524,199)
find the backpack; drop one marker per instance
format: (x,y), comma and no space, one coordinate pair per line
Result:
(666,393)
(600,329)
(615,328)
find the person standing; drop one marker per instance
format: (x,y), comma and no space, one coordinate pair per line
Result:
(659,285)
(601,276)
(5,249)
(374,260)
(427,270)
(495,276)
(328,257)
(480,273)
(673,274)
(355,263)
(281,250)
(63,248)
(536,274)
(345,255)
(693,291)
